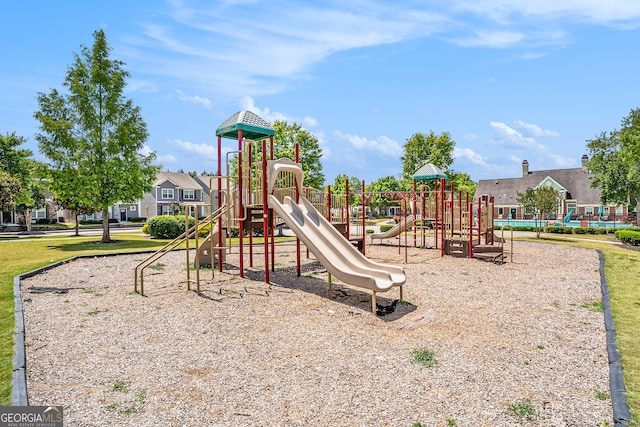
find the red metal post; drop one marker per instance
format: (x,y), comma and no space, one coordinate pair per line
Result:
(364,228)
(240,207)
(265,211)
(298,201)
(272,221)
(250,195)
(219,205)
(347,207)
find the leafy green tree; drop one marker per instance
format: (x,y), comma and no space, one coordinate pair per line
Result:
(284,145)
(463,182)
(340,187)
(541,201)
(9,189)
(93,135)
(75,206)
(17,163)
(615,163)
(381,188)
(421,149)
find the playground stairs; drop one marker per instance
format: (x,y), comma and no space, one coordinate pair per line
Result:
(456,247)
(494,253)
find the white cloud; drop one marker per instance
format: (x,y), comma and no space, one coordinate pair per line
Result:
(535,130)
(322,142)
(194,99)
(204,150)
(511,139)
(592,11)
(166,158)
(495,39)
(247,103)
(471,155)
(383,145)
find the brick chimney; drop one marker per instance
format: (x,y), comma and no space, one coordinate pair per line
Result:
(525,168)
(585,163)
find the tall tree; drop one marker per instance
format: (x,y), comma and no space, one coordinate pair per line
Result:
(284,143)
(421,149)
(16,163)
(9,189)
(340,187)
(539,201)
(382,189)
(615,163)
(93,135)
(463,182)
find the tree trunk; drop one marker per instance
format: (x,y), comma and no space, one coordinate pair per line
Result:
(77,227)
(105,226)
(27,219)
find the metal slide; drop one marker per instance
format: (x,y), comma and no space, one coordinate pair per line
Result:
(333,250)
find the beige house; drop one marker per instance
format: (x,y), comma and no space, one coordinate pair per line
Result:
(578,199)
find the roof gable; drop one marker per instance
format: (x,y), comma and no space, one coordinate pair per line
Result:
(180,180)
(550,182)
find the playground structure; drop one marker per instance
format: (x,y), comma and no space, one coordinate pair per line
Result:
(265,194)
(446,219)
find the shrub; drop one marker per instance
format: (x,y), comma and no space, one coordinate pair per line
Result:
(145,228)
(138,219)
(167,226)
(385,227)
(628,237)
(204,230)
(90,221)
(368,231)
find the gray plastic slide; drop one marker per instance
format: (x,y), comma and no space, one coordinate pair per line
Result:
(400,227)
(333,250)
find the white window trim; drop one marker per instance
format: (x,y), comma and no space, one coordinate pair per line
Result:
(191,192)
(162,193)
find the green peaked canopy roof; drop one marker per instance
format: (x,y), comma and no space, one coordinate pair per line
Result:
(253,127)
(428,171)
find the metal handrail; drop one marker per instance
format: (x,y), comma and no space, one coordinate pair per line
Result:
(172,245)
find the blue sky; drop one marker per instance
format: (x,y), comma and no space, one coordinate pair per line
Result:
(509,79)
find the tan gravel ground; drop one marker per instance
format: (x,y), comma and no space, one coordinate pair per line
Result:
(506,338)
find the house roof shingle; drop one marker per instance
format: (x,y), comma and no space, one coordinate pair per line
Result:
(575,180)
(181,180)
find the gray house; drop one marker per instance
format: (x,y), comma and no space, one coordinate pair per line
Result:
(171,189)
(578,198)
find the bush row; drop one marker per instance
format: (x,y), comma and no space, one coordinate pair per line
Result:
(629,236)
(167,226)
(564,230)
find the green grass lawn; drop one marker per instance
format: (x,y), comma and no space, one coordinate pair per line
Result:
(622,269)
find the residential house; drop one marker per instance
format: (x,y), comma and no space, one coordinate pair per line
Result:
(578,198)
(172,189)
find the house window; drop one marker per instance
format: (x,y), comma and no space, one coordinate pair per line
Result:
(588,210)
(572,207)
(132,208)
(167,193)
(166,210)
(500,211)
(40,213)
(619,210)
(605,210)
(189,194)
